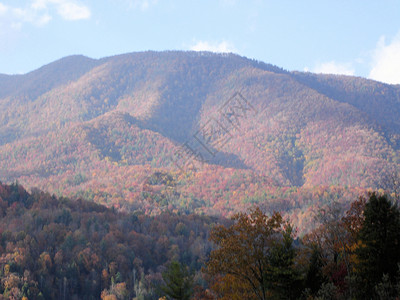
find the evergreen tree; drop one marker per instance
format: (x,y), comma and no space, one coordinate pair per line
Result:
(178,282)
(379,250)
(284,279)
(315,277)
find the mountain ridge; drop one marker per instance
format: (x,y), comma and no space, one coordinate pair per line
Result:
(85,124)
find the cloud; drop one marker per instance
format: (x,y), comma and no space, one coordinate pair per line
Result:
(386,61)
(222,47)
(333,67)
(38,12)
(71,11)
(43,20)
(3,9)
(142,4)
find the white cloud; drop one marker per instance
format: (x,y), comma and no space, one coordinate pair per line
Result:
(39,4)
(43,20)
(333,67)
(3,9)
(386,61)
(38,12)
(18,16)
(142,4)
(71,11)
(222,47)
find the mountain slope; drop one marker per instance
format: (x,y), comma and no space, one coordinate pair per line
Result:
(104,126)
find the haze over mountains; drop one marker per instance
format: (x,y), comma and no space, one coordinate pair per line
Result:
(108,130)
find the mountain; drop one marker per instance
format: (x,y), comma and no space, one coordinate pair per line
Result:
(123,131)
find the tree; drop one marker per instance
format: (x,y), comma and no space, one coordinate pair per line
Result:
(315,277)
(284,280)
(333,240)
(379,250)
(254,255)
(178,283)
(354,218)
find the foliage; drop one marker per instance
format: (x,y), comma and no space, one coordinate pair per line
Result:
(103,130)
(379,251)
(256,253)
(178,283)
(56,248)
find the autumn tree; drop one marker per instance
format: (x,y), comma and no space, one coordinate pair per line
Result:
(245,259)
(354,218)
(331,244)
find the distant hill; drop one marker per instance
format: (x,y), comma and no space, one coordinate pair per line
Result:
(52,248)
(288,140)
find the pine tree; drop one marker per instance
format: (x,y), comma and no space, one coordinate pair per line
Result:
(315,277)
(284,280)
(379,251)
(178,282)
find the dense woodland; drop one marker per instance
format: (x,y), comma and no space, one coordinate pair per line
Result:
(57,248)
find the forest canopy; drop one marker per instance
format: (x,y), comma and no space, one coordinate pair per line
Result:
(57,248)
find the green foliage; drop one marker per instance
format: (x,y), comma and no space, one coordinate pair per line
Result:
(314,277)
(282,277)
(178,283)
(379,252)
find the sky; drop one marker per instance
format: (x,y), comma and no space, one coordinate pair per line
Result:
(351,37)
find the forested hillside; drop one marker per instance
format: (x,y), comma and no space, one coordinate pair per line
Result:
(254,133)
(57,248)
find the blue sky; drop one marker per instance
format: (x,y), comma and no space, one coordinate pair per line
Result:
(351,37)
